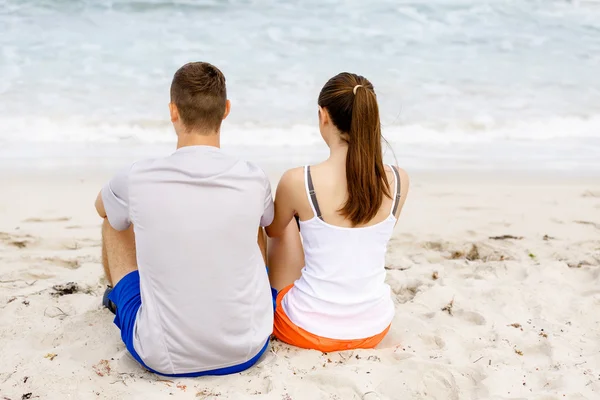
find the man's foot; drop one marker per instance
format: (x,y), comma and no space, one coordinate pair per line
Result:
(106,302)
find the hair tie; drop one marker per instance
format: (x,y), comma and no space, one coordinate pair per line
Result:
(356,87)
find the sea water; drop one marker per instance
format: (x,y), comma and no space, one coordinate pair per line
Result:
(465,84)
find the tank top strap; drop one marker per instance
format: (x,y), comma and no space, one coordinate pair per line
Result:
(310,191)
(396,200)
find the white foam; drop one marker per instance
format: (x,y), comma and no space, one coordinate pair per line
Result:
(477,130)
(561,143)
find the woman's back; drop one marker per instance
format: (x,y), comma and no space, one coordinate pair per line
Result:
(342,292)
(329,181)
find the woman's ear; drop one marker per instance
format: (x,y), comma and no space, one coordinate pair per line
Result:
(323,116)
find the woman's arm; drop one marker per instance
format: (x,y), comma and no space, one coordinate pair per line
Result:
(404,186)
(285,198)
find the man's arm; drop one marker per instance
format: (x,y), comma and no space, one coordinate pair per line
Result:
(268,207)
(113,201)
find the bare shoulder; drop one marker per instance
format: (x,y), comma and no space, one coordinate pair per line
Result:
(404,186)
(293,176)
(389,172)
(402,174)
(292,180)
(404,181)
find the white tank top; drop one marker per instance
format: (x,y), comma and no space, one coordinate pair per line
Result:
(342,292)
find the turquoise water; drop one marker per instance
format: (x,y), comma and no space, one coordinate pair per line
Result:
(460,82)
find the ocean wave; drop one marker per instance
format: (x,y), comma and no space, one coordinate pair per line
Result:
(147,131)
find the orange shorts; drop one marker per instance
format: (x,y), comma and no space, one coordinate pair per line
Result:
(286,331)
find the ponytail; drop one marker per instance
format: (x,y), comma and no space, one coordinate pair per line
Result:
(365,173)
(351,102)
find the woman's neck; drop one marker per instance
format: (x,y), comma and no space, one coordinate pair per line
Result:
(338,151)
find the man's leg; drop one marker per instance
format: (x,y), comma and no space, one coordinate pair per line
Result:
(105,259)
(124,299)
(285,257)
(118,252)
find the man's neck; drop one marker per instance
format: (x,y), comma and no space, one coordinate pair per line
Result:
(198,139)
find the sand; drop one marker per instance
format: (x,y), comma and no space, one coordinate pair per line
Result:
(476,318)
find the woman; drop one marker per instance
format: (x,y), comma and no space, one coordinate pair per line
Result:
(332,292)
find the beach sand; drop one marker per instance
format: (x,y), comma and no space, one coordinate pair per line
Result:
(476,317)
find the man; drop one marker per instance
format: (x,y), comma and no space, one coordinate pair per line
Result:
(191,291)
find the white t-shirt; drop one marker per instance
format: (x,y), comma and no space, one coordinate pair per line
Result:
(206,298)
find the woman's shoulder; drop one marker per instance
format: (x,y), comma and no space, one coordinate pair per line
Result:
(292,180)
(297,176)
(293,175)
(402,174)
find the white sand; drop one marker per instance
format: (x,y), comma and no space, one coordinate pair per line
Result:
(550,290)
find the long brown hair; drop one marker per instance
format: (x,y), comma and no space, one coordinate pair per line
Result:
(352,105)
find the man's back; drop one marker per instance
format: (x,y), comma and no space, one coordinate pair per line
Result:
(206,300)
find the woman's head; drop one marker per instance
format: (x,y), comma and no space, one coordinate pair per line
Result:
(349,110)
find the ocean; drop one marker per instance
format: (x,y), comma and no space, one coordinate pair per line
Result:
(462,84)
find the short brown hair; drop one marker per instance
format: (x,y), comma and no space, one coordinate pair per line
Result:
(198,91)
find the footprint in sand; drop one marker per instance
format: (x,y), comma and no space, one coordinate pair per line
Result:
(21,244)
(594,224)
(260,383)
(426,381)
(81,244)
(436,246)
(38,275)
(325,377)
(18,241)
(371,396)
(58,219)
(590,193)
(405,291)
(71,264)
(580,263)
(433,341)
(441,382)
(470,316)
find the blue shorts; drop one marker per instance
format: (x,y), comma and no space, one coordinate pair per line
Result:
(127,298)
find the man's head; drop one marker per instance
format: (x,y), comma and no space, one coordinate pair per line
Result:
(198,99)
